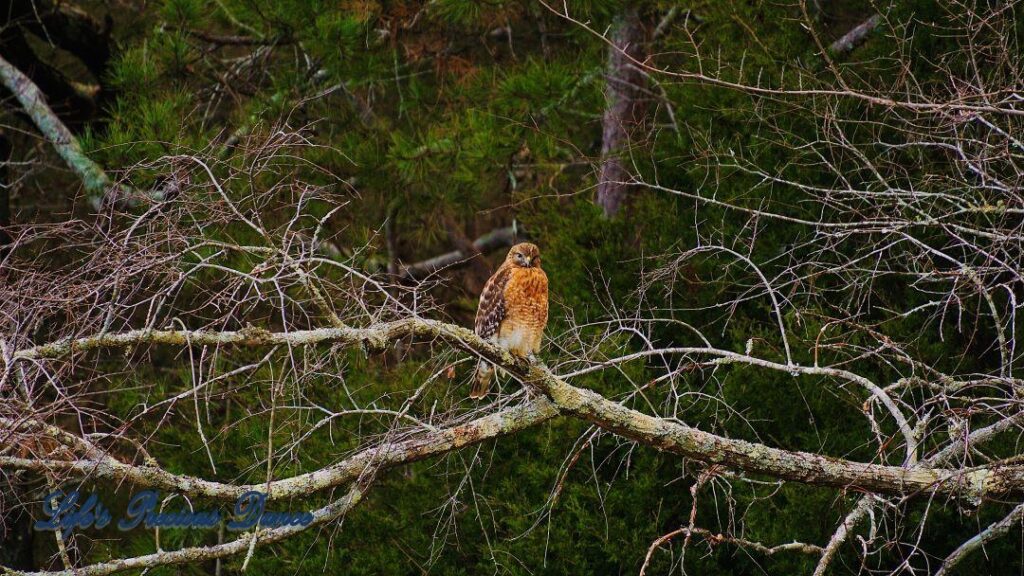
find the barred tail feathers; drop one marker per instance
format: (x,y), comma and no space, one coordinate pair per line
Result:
(482,379)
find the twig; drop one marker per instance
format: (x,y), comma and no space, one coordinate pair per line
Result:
(987,535)
(714,539)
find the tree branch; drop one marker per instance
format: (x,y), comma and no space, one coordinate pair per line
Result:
(714,539)
(489,242)
(987,535)
(662,434)
(855,36)
(104,467)
(93,178)
(843,532)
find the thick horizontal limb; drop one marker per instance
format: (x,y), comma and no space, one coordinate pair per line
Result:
(423,445)
(662,434)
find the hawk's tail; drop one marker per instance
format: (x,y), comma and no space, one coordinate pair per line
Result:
(482,379)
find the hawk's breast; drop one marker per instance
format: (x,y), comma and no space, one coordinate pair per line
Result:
(526,309)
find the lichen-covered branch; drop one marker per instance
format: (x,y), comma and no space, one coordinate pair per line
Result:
(659,433)
(757,458)
(100,466)
(32,100)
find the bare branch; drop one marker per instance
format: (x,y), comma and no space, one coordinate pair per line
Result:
(987,535)
(94,179)
(419,446)
(856,35)
(489,242)
(660,433)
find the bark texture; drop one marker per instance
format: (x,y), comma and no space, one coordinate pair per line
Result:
(623,112)
(971,485)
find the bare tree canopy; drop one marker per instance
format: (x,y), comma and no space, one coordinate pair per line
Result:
(242,246)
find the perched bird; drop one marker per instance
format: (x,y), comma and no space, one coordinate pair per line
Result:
(513,310)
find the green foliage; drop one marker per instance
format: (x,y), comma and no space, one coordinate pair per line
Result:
(492,129)
(186,12)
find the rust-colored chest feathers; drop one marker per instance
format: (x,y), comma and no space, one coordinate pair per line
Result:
(526,298)
(514,308)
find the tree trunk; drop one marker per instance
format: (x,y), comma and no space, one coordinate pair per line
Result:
(623,112)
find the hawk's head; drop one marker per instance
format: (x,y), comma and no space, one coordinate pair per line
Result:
(524,255)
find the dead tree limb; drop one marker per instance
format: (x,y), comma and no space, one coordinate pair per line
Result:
(32,100)
(970,485)
(101,466)
(489,242)
(479,271)
(236,40)
(856,36)
(987,535)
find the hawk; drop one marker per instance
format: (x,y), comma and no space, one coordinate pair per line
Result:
(513,310)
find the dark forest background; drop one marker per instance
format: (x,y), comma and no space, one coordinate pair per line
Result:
(455,126)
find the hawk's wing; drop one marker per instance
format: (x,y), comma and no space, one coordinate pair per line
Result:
(491,311)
